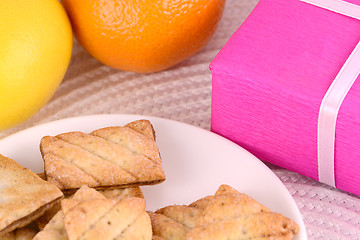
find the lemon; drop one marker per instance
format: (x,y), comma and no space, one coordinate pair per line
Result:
(35,51)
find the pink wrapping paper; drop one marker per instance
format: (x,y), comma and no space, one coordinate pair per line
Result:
(269,81)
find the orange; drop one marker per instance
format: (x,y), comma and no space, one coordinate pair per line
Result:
(143,36)
(35,49)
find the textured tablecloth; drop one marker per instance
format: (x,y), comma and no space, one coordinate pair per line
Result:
(183,93)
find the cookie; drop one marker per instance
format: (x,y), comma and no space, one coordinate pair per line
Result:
(24,196)
(108,218)
(112,157)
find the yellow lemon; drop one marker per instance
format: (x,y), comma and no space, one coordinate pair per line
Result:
(35,51)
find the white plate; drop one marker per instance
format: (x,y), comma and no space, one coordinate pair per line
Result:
(196,162)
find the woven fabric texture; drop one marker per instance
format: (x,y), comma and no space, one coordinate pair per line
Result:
(183,93)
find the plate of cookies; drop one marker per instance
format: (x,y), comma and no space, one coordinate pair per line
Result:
(115,176)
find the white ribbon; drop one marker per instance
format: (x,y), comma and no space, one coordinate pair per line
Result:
(335,95)
(338,6)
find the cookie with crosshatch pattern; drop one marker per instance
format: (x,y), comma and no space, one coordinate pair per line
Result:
(228,214)
(24,196)
(110,157)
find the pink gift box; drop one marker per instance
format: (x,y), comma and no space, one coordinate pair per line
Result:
(270,78)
